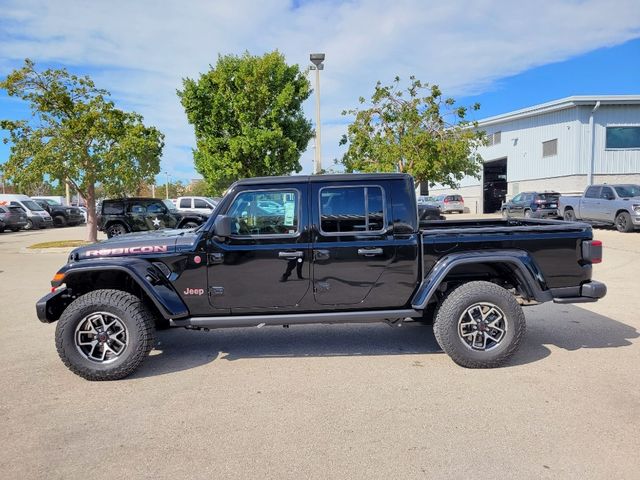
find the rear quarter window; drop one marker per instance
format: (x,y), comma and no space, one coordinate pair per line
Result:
(113,208)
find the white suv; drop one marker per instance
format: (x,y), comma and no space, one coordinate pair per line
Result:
(204,205)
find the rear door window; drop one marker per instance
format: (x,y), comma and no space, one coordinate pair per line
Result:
(607,193)
(352,210)
(592,192)
(199,203)
(185,203)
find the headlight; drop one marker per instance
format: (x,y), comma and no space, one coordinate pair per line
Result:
(636,208)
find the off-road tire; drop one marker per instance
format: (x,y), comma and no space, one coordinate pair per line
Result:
(116,229)
(59,221)
(130,310)
(189,224)
(456,302)
(624,223)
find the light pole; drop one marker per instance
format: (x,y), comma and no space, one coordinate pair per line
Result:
(317,59)
(166,186)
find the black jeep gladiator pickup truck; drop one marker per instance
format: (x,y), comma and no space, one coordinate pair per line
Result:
(319,249)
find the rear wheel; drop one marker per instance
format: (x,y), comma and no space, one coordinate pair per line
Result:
(479,325)
(15,229)
(105,335)
(116,229)
(569,215)
(505,214)
(189,224)
(624,222)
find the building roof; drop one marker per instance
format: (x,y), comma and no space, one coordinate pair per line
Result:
(561,104)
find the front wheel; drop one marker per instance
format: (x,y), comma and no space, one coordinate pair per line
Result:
(105,335)
(624,223)
(189,224)
(479,325)
(59,221)
(29,225)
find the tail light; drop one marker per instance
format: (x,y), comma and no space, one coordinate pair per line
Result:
(592,251)
(461,200)
(446,200)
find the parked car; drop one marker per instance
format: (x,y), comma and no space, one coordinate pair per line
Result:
(37,217)
(426,200)
(358,253)
(532,205)
(203,205)
(617,205)
(12,218)
(62,215)
(450,203)
(124,215)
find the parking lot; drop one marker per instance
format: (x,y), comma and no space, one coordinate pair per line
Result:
(344,401)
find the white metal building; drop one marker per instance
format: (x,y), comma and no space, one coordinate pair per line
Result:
(562,145)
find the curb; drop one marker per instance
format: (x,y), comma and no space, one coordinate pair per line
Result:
(46,250)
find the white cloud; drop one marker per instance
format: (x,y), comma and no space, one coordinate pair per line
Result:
(141,49)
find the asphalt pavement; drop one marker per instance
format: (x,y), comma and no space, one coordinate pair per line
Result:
(319,402)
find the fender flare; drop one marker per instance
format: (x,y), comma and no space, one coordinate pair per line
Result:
(143,273)
(520,262)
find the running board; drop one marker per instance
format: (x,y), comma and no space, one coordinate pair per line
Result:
(295,319)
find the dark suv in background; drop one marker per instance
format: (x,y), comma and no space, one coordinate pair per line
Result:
(532,205)
(125,215)
(62,215)
(12,218)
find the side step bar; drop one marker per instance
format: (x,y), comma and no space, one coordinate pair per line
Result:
(295,319)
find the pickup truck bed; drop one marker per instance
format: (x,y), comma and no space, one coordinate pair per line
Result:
(324,249)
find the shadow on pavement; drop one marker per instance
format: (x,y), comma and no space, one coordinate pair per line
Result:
(571,328)
(567,327)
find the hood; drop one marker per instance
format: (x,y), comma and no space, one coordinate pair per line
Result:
(155,242)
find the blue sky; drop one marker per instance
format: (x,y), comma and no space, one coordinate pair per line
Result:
(504,54)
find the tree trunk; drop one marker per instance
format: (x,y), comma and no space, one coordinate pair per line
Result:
(92,224)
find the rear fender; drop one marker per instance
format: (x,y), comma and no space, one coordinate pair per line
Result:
(523,267)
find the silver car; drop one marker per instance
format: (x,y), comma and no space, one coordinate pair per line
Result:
(450,203)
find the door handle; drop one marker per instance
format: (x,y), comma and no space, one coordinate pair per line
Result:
(291,255)
(370,252)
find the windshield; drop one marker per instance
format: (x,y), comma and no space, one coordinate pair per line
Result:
(33,206)
(628,190)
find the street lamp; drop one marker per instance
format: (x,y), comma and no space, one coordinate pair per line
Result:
(166,186)
(317,59)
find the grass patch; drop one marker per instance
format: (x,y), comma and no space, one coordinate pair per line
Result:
(60,244)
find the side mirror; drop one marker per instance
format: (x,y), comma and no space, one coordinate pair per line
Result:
(222,226)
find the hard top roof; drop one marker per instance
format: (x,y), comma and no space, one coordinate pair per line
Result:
(343,177)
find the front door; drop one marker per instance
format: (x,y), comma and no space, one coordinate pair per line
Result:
(353,242)
(264,265)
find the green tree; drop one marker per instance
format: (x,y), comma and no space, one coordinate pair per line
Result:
(76,133)
(248,118)
(416,131)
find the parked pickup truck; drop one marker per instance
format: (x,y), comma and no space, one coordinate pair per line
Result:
(617,205)
(338,249)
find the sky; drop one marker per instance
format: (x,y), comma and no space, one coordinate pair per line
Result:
(504,54)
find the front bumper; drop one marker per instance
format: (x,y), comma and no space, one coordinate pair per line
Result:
(591,291)
(50,307)
(42,222)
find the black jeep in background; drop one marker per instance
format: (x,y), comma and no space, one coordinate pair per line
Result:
(125,215)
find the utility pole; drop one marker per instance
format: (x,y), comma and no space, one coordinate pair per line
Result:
(166,186)
(317,59)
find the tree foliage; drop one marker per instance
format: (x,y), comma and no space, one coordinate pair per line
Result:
(77,134)
(248,118)
(414,130)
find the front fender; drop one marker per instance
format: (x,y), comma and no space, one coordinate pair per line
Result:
(142,272)
(520,262)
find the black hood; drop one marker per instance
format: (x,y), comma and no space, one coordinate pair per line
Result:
(155,242)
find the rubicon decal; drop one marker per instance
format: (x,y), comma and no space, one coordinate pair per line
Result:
(106,252)
(193,291)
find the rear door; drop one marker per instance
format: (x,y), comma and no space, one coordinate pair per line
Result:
(353,241)
(590,203)
(264,265)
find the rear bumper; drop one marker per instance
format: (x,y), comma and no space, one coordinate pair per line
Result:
(588,292)
(545,213)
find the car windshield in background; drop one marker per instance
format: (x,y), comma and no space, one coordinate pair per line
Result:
(33,206)
(628,190)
